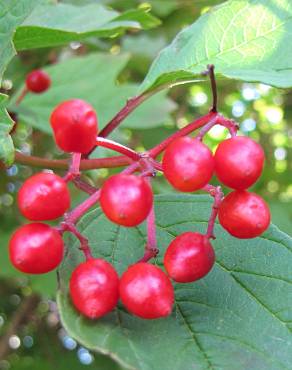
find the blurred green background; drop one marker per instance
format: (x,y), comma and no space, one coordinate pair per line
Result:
(264,114)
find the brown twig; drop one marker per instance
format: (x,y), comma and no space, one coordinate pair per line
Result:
(21,316)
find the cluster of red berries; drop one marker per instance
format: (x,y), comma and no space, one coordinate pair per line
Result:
(126,199)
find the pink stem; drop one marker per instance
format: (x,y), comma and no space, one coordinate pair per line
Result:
(122,149)
(84,186)
(74,168)
(82,208)
(84,246)
(154,152)
(21,96)
(217,194)
(122,114)
(151,249)
(222,121)
(231,125)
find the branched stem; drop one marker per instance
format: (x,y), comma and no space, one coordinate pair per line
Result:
(74,168)
(66,225)
(231,125)
(217,194)
(146,163)
(117,161)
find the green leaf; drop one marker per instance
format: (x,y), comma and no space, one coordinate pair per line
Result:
(238,317)
(53,25)
(93,78)
(6,124)
(245,39)
(12,14)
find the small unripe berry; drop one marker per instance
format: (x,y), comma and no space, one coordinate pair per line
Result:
(38,81)
(126,199)
(94,288)
(36,248)
(74,124)
(188,164)
(43,196)
(146,291)
(189,257)
(239,162)
(244,215)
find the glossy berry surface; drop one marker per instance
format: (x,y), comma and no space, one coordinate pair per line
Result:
(43,196)
(74,124)
(146,291)
(38,81)
(36,248)
(94,288)
(188,164)
(189,257)
(244,215)
(239,162)
(126,199)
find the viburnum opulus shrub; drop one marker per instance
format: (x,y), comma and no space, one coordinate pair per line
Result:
(163,282)
(127,199)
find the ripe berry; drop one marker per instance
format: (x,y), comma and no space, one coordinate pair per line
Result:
(74,124)
(43,196)
(189,257)
(239,162)
(38,81)
(126,199)
(146,291)
(94,288)
(188,164)
(244,215)
(36,248)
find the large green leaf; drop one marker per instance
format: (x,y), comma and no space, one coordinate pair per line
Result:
(238,317)
(93,78)
(6,124)
(245,39)
(51,25)
(12,14)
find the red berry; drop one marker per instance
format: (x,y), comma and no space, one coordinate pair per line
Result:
(43,196)
(38,81)
(74,124)
(146,291)
(239,162)
(36,248)
(189,257)
(244,215)
(188,164)
(126,199)
(94,288)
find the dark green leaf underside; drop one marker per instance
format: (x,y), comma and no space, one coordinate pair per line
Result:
(245,39)
(238,317)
